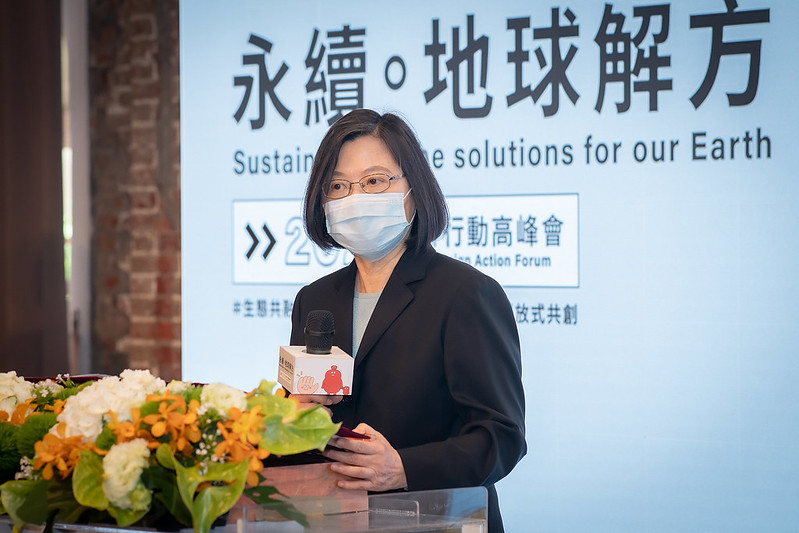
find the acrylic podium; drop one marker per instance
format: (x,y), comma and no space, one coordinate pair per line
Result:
(462,510)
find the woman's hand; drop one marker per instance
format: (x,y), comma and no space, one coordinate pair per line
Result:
(372,463)
(309,400)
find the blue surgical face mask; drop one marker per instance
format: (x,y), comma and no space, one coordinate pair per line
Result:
(368,225)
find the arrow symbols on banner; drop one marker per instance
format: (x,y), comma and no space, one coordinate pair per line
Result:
(256,241)
(272,241)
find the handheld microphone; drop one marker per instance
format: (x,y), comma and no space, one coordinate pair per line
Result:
(318,367)
(319,330)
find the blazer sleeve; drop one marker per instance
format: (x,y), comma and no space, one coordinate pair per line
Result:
(482,362)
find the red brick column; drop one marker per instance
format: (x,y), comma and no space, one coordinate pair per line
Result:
(135,136)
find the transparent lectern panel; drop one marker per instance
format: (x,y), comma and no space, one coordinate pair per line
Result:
(462,510)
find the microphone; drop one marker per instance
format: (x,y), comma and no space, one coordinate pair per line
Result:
(318,367)
(319,329)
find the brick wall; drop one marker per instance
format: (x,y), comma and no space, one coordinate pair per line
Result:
(135,162)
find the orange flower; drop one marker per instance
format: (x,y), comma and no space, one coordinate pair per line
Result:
(21,412)
(174,419)
(57,407)
(240,436)
(58,452)
(256,465)
(231,445)
(188,429)
(127,431)
(247,424)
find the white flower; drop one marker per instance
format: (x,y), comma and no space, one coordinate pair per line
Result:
(84,412)
(143,379)
(25,469)
(222,397)
(13,391)
(122,468)
(48,387)
(177,386)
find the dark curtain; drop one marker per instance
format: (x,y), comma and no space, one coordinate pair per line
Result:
(33,332)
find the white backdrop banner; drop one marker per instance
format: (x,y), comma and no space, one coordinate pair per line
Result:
(626,171)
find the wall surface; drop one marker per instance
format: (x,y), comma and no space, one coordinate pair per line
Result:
(33,337)
(135,112)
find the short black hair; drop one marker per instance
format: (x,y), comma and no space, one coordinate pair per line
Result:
(431,207)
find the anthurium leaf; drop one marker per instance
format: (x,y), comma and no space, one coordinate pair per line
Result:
(216,500)
(268,498)
(164,456)
(34,501)
(189,479)
(141,498)
(61,499)
(165,489)
(270,404)
(125,517)
(87,481)
(264,388)
(25,500)
(227,484)
(300,431)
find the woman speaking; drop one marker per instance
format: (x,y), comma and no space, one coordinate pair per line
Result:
(437,375)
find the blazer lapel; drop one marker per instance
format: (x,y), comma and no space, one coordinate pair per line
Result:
(340,304)
(395,298)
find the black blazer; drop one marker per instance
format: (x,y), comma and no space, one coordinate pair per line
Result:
(438,371)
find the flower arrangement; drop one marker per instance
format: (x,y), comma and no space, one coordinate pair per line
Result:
(136,450)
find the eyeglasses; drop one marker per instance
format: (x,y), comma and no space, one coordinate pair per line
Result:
(371,184)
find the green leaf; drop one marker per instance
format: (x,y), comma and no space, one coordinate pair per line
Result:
(227,485)
(61,500)
(25,500)
(164,456)
(9,455)
(68,391)
(141,498)
(32,430)
(263,496)
(164,485)
(290,430)
(149,408)
(192,393)
(300,431)
(270,404)
(87,481)
(126,517)
(33,501)
(106,439)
